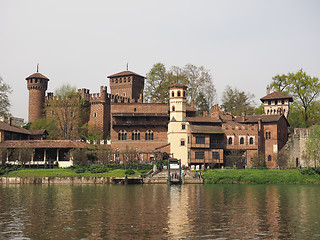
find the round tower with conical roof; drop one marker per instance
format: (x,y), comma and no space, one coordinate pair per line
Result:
(37,85)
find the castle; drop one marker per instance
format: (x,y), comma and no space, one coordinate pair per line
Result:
(211,140)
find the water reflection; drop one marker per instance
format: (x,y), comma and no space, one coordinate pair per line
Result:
(160,212)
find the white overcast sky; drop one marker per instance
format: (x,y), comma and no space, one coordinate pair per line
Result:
(243,43)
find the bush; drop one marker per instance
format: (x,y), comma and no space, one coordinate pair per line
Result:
(308,171)
(96,168)
(80,170)
(129,172)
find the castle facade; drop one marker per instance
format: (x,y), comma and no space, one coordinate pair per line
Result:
(213,139)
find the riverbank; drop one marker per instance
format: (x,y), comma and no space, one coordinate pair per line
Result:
(257,176)
(214,176)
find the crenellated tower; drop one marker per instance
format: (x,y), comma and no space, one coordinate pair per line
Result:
(37,85)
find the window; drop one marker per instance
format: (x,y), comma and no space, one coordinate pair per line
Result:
(230,141)
(269,158)
(134,109)
(116,80)
(276,103)
(184,93)
(135,135)
(149,135)
(172,94)
(269,102)
(251,141)
(173,108)
(241,140)
(128,79)
(179,94)
(215,155)
(182,142)
(183,126)
(199,155)
(200,140)
(125,80)
(95,114)
(122,135)
(124,94)
(268,135)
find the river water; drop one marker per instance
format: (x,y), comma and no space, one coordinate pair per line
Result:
(160,212)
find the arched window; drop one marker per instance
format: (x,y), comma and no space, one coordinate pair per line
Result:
(230,141)
(241,140)
(184,93)
(268,112)
(251,141)
(149,135)
(122,135)
(135,135)
(179,94)
(173,108)
(268,135)
(269,158)
(172,94)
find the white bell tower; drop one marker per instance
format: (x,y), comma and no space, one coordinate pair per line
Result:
(178,125)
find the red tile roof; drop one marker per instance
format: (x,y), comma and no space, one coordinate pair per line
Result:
(276,96)
(255,118)
(203,119)
(44,144)
(206,129)
(178,85)
(13,128)
(125,73)
(37,75)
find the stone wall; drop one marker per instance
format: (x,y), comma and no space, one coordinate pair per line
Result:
(295,149)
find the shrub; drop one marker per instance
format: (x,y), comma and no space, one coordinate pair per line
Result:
(96,168)
(308,171)
(80,170)
(129,172)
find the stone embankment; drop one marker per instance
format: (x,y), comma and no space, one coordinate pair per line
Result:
(56,180)
(160,177)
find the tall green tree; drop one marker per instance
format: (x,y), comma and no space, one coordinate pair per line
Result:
(67,110)
(198,80)
(5,90)
(313,144)
(237,102)
(157,83)
(304,90)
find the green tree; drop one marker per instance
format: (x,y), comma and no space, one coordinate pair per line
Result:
(237,102)
(157,83)
(304,90)
(43,123)
(68,111)
(313,145)
(5,90)
(198,80)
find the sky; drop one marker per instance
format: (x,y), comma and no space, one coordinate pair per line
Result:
(244,43)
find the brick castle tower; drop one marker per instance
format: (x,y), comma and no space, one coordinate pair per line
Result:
(37,85)
(127,84)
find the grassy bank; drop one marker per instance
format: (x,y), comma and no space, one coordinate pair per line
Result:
(60,172)
(265,176)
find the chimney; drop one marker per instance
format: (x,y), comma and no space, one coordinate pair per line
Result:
(268,90)
(10,120)
(259,124)
(192,103)
(243,116)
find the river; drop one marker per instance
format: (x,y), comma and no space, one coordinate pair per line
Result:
(160,212)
